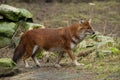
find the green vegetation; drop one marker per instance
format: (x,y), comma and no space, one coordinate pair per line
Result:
(104,61)
(104,67)
(7,66)
(7,62)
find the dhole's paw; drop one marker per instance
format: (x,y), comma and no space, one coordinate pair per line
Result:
(57,65)
(28,66)
(77,64)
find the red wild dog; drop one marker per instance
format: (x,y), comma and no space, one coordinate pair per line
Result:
(52,39)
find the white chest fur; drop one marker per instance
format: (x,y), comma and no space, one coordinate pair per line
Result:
(72,45)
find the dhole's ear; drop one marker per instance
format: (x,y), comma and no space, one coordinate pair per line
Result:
(89,21)
(81,21)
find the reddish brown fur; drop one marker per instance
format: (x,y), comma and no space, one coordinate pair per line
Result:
(50,38)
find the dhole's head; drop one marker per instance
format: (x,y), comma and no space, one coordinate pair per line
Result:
(86,27)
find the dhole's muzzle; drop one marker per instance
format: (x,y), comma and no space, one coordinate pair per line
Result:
(90,32)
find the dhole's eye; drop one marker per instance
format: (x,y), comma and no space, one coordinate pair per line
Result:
(89,28)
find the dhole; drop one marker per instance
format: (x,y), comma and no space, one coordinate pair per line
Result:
(52,39)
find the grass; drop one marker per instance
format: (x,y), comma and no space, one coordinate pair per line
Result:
(104,67)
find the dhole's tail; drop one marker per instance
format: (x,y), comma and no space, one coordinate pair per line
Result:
(19,52)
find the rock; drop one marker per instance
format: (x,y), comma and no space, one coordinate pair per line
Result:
(15,14)
(7,62)
(7,28)
(25,14)
(30,26)
(9,12)
(7,67)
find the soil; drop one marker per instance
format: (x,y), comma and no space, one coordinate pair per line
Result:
(47,71)
(50,73)
(66,72)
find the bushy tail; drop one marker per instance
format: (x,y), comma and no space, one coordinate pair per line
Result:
(19,52)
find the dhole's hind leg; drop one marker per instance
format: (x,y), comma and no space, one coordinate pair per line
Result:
(36,50)
(28,54)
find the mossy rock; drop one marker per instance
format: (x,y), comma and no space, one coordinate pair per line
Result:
(14,14)
(7,62)
(7,67)
(30,26)
(9,12)
(7,28)
(4,41)
(25,13)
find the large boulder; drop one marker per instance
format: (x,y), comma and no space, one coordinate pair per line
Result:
(9,12)
(7,29)
(25,15)
(7,62)
(7,67)
(15,14)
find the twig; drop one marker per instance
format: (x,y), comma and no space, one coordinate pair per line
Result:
(4,47)
(104,28)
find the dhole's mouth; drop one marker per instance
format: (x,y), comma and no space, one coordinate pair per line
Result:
(90,33)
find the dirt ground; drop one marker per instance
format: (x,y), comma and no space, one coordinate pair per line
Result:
(66,72)
(47,71)
(51,73)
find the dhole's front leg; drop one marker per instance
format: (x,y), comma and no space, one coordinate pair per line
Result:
(70,53)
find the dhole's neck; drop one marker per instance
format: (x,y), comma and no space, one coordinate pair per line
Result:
(73,28)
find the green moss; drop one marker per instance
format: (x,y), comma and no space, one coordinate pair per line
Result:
(7,28)
(29,26)
(4,41)
(6,62)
